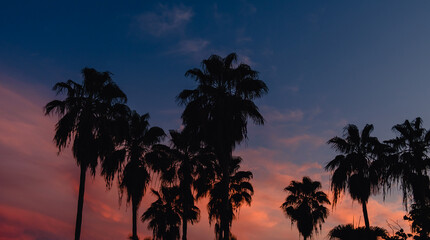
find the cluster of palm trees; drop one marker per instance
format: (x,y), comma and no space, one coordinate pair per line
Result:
(101,129)
(364,167)
(198,161)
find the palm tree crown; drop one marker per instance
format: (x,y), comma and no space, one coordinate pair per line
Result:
(348,232)
(135,177)
(217,111)
(355,168)
(186,165)
(411,162)
(305,206)
(240,192)
(89,118)
(163,214)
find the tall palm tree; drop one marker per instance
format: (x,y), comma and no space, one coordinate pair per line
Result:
(355,168)
(305,206)
(217,111)
(135,177)
(88,117)
(348,232)
(411,162)
(163,214)
(240,192)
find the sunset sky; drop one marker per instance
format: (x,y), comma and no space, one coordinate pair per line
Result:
(326,63)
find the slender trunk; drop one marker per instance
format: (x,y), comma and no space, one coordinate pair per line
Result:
(80,202)
(134,209)
(184,227)
(225,223)
(366,217)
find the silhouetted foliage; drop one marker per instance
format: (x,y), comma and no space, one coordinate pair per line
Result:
(186,165)
(164,214)
(348,232)
(135,176)
(90,119)
(217,111)
(419,216)
(305,206)
(240,192)
(356,168)
(410,163)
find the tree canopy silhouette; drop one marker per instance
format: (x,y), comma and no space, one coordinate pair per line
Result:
(356,168)
(348,232)
(305,206)
(217,111)
(411,162)
(163,214)
(186,165)
(135,176)
(240,192)
(90,117)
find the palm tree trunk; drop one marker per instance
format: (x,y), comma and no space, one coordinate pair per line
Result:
(366,217)
(225,224)
(134,209)
(80,202)
(224,232)
(184,227)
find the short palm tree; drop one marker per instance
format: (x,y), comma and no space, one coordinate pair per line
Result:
(240,192)
(88,120)
(186,165)
(164,214)
(355,168)
(135,177)
(348,232)
(305,206)
(217,111)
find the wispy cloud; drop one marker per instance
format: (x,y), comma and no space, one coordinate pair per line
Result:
(273,115)
(191,46)
(166,20)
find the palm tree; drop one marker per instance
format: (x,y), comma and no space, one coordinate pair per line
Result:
(348,232)
(240,192)
(186,165)
(135,176)
(356,168)
(163,215)
(305,205)
(88,117)
(217,111)
(411,162)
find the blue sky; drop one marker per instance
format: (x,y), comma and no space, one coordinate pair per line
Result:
(326,64)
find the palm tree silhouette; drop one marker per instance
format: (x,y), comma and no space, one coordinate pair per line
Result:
(135,177)
(186,165)
(240,192)
(87,119)
(217,110)
(356,168)
(164,214)
(348,232)
(305,205)
(411,162)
